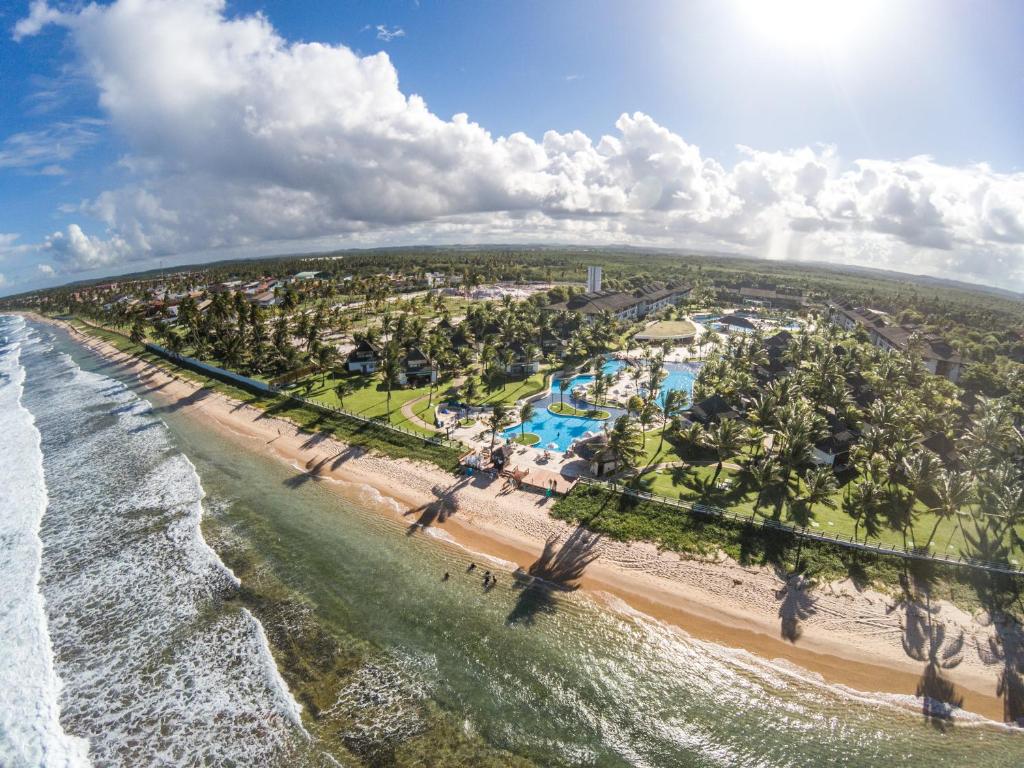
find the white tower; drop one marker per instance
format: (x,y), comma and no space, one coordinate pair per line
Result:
(593,279)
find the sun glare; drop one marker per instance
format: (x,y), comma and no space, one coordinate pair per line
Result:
(798,25)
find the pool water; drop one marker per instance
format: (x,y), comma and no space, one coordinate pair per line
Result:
(562,431)
(559,432)
(680,376)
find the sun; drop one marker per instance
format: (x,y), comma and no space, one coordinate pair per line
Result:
(798,25)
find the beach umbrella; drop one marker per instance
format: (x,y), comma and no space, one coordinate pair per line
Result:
(553,446)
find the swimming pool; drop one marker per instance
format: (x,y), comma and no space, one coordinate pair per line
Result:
(562,431)
(680,376)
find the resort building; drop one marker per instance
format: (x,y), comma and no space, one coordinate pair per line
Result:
(834,449)
(622,305)
(364,358)
(711,410)
(772,299)
(938,356)
(597,453)
(416,368)
(521,363)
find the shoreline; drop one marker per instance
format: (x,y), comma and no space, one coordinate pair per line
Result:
(852,639)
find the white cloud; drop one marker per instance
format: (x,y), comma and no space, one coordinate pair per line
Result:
(46,269)
(39,15)
(80,251)
(387,35)
(237,136)
(3,280)
(48,147)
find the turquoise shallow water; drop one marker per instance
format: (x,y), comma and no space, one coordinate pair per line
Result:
(551,676)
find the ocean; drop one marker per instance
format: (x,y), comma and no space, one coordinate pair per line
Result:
(174,600)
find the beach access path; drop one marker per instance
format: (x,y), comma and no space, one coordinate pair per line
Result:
(846,635)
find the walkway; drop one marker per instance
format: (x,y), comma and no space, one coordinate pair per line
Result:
(408,413)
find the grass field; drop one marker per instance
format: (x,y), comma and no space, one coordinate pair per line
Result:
(667,329)
(694,484)
(347,430)
(564,409)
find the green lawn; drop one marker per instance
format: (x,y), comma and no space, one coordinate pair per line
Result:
(528,439)
(368,397)
(693,483)
(517,388)
(564,409)
(347,430)
(667,329)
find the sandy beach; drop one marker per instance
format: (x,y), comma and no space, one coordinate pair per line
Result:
(855,638)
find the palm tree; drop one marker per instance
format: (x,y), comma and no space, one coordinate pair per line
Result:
(325,355)
(819,487)
(525,414)
(754,437)
(675,401)
(389,366)
(498,414)
(920,471)
(763,473)
(470,390)
(138,332)
(342,388)
(647,416)
(175,343)
(507,357)
(625,442)
(954,491)
(724,439)
(563,384)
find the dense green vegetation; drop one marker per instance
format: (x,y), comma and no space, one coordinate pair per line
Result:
(759,458)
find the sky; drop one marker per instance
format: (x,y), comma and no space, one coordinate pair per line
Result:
(140,133)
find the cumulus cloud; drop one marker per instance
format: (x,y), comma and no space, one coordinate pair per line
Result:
(237,136)
(46,270)
(80,251)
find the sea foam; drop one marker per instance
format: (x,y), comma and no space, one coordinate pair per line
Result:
(160,666)
(30,730)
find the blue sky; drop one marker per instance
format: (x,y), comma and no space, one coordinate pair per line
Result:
(746,122)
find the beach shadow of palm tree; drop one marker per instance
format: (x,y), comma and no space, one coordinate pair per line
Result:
(926,640)
(445,504)
(184,402)
(795,607)
(315,439)
(347,454)
(558,569)
(314,467)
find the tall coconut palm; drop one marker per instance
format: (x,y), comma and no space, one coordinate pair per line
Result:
(526,411)
(389,367)
(921,471)
(625,442)
(725,439)
(563,384)
(342,388)
(954,491)
(763,472)
(676,401)
(495,420)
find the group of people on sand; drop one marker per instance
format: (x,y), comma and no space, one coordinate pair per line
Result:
(490,579)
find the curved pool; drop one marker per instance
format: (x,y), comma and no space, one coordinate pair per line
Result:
(559,432)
